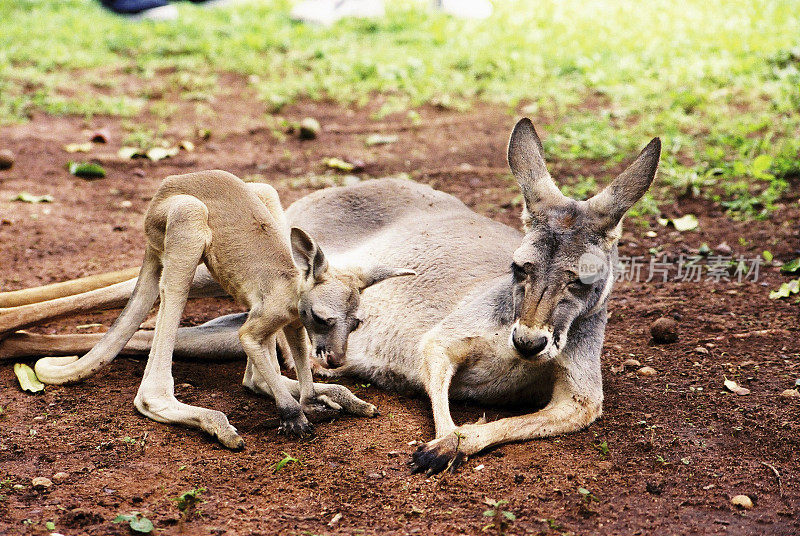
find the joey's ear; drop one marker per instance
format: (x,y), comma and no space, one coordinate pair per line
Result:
(526,160)
(379,272)
(611,204)
(307,255)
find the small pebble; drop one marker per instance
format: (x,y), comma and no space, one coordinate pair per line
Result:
(41,482)
(790,393)
(100,136)
(335,519)
(309,129)
(651,234)
(479,467)
(393,453)
(723,249)
(126,204)
(375,476)
(646,371)
(664,330)
(6,159)
(701,350)
(632,363)
(742,501)
(59,477)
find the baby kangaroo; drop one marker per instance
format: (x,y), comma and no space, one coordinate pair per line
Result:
(240,233)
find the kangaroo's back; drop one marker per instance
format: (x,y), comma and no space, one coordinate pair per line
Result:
(248,243)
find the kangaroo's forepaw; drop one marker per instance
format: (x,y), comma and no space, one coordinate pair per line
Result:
(298,427)
(230,439)
(436,456)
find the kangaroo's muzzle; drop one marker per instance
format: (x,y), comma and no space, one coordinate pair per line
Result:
(529,343)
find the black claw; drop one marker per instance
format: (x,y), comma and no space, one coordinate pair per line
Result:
(296,428)
(431,462)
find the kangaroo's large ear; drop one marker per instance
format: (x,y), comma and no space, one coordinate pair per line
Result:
(611,204)
(307,255)
(379,272)
(526,160)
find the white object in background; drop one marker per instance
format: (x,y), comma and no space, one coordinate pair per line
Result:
(326,12)
(467,9)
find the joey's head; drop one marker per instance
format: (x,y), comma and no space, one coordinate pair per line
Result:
(563,270)
(330,297)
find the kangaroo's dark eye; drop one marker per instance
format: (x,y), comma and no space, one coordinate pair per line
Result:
(319,320)
(518,271)
(578,286)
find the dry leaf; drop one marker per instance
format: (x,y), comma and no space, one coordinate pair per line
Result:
(27,378)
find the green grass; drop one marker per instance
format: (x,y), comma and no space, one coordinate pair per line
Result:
(719,81)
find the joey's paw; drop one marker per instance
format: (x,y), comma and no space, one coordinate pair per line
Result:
(436,456)
(321,408)
(323,373)
(298,427)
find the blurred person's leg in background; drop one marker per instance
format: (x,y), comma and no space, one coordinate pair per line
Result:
(142,9)
(153,9)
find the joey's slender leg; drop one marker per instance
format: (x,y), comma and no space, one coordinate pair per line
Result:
(296,338)
(185,239)
(258,338)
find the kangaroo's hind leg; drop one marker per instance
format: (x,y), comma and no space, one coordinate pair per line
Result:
(186,237)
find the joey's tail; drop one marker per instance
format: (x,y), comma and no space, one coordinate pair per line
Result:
(60,370)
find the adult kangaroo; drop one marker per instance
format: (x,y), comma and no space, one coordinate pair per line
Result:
(494,315)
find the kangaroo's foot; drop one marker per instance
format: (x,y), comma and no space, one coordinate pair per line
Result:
(166,408)
(437,455)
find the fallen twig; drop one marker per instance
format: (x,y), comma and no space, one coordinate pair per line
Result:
(777,475)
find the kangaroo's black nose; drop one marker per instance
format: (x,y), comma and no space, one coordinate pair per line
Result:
(528,347)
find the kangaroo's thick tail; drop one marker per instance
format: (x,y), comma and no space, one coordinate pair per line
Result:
(60,370)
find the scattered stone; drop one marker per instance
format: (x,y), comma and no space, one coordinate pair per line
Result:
(393,453)
(308,129)
(791,393)
(6,159)
(335,519)
(631,363)
(101,135)
(734,387)
(651,234)
(375,476)
(742,501)
(646,371)
(723,249)
(350,180)
(701,350)
(60,477)
(480,467)
(664,330)
(41,482)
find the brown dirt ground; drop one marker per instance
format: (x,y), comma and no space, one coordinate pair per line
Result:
(679,447)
